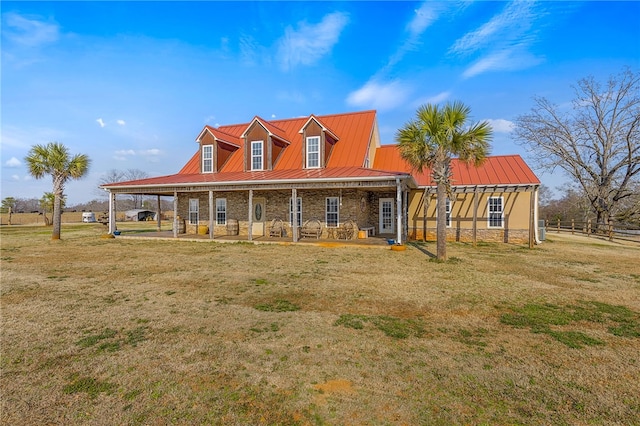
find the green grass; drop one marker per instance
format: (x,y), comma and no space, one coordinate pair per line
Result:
(279,305)
(393,327)
(540,318)
(88,385)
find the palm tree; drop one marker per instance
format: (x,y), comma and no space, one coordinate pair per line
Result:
(54,159)
(431,139)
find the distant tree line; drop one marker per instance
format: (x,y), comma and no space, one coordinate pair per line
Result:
(573,204)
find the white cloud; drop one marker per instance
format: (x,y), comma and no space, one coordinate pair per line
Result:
(100,121)
(435,99)
(503,41)
(508,26)
(13,162)
(123,152)
(151,155)
(121,122)
(424,17)
(15,177)
(150,152)
(500,125)
(380,96)
(503,60)
(308,43)
(29,31)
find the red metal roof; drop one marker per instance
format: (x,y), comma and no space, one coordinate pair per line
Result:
(335,173)
(496,170)
(346,161)
(353,129)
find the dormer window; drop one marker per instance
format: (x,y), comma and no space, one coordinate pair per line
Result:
(257,155)
(313,152)
(207,158)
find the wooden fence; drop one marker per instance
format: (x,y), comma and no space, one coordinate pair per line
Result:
(611,231)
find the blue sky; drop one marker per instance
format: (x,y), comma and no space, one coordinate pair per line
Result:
(131,84)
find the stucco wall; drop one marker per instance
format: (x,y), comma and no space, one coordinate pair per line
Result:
(516,208)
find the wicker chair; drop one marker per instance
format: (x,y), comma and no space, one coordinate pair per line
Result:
(346,231)
(311,228)
(276,228)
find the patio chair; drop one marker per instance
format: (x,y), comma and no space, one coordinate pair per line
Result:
(346,231)
(276,228)
(311,228)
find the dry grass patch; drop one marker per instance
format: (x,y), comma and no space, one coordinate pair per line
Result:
(126,331)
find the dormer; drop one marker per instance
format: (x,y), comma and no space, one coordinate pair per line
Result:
(264,144)
(317,143)
(216,147)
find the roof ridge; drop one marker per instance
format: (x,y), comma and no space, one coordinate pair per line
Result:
(221,131)
(302,117)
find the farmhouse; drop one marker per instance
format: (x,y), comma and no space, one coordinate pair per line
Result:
(315,175)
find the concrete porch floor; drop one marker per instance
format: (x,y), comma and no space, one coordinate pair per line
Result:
(378,241)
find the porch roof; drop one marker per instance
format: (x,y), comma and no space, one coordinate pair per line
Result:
(499,170)
(304,177)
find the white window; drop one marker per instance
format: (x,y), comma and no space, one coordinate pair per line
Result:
(331,214)
(194,211)
(496,212)
(313,152)
(256,155)
(299,212)
(207,158)
(448,207)
(221,211)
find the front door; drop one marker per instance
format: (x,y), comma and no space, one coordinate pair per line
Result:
(386,225)
(258,217)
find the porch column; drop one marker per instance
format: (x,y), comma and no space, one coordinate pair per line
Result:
(250,233)
(159,214)
(398,211)
(175,214)
(536,217)
(212,214)
(294,219)
(425,207)
(405,215)
(112,212)
(532,218)
(475,217)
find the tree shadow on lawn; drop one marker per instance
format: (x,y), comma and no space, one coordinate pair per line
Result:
(422,249)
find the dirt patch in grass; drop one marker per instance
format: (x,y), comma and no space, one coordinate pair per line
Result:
(176,332)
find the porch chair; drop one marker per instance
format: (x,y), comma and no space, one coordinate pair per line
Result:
(276,228)
(311,228)
(346,230)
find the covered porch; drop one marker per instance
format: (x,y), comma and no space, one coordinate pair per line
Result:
(376,205)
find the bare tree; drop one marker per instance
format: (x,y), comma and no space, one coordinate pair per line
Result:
(596,142)
(115,175)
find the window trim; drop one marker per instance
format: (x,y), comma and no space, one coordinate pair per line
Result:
(207,159)
(194,202)
(448,208)
(490,213)
(309,152)
(299,202)
(223,212)
(327,212)
(255,156)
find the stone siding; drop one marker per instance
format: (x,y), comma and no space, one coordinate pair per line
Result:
(466,235)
